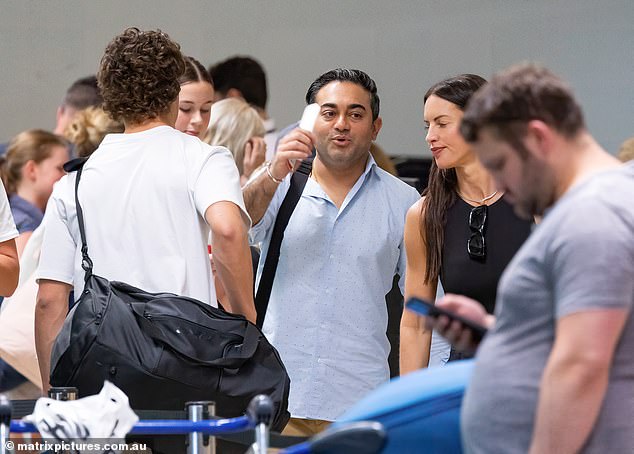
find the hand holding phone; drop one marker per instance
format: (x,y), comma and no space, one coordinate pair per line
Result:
(307,123)
(428,309)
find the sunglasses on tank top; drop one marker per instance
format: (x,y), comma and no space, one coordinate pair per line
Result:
(476,246)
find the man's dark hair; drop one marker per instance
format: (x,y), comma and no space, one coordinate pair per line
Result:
(83,93)
(355,76)
(243,74)
(516,96)
(138,75)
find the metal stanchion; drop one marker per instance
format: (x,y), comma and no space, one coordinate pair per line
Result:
(5,423)
(260,411)
(199,443)
(63,393)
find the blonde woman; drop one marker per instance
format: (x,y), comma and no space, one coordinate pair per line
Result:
(236,125)
(89,128)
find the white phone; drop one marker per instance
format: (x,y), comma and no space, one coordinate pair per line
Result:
(309,117)
(307,123)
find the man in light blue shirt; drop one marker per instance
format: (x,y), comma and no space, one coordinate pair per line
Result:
(341,248)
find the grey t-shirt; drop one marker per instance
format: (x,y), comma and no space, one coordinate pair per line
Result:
(580,258)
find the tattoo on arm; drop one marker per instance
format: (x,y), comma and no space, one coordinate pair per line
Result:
(257,196)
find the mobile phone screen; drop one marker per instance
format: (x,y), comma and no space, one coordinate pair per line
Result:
(428,309)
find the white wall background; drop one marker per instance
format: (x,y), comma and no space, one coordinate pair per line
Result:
(404,45)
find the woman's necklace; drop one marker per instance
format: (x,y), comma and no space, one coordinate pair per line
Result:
(479,202)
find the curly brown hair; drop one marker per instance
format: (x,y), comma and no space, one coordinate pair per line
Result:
(138,75)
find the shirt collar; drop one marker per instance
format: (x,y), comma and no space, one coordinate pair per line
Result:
(314,189)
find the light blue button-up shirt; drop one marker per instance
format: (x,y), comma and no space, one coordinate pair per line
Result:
(327,315)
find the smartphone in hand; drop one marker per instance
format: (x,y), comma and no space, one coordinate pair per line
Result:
(428,309)
(307,123)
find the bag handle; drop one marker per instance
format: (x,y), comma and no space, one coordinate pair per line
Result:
(297,184)
(86,263)
(234,359)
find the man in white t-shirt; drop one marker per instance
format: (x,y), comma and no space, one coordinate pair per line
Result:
(9,264)
(149,198)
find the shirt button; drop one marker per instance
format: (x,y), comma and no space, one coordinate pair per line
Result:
(327,291)
(332,256)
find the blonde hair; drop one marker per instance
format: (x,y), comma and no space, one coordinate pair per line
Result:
(32,145)
(232,123)
(626,152)
(88,129)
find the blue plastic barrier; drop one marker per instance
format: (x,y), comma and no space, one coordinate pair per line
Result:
(420,411)
(169,426)
(258,417)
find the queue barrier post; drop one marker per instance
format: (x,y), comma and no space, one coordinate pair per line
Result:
(5,423)
(260,413)
(197,442)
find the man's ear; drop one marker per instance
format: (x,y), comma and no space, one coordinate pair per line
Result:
(59,114)
(539,138)
(234,93)
(376,127)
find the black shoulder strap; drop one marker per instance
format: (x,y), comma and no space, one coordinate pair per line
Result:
(298,181)
(77,165)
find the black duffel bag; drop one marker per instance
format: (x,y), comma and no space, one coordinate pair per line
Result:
(163,350)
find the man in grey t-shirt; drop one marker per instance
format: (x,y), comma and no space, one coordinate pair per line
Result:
(555,374)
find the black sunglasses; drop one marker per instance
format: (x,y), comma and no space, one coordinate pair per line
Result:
(476,246)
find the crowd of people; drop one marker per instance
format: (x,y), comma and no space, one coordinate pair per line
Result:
(526,224)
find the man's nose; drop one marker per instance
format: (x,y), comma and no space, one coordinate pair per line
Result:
(342,123)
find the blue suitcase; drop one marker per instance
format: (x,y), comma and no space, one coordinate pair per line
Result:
(420,411)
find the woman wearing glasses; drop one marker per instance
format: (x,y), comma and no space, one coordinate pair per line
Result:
(462,230)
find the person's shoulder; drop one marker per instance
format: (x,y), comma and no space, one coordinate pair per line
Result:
(63,195)
(598,211)
(65,186)
(193,144)
(609,190)
(214,154)
(416,209)
(395,184)
(620,180)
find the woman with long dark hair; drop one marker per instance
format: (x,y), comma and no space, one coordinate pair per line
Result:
(462,231)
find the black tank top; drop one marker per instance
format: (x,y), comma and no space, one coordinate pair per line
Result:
(478,279)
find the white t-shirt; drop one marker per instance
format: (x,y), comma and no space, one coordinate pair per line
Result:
(7,226)
(143,197)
